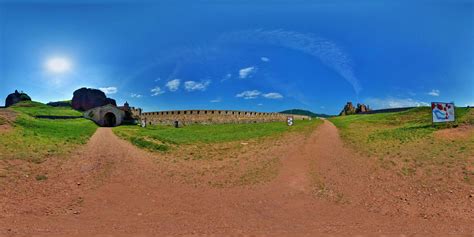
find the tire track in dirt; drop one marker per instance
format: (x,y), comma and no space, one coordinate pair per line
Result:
(123,192)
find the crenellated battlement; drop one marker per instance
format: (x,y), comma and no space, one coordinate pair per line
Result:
(184,117)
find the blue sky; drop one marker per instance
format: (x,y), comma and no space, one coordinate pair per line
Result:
(246,55)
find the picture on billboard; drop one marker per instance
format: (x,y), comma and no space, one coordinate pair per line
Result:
(289,120)
(442,112)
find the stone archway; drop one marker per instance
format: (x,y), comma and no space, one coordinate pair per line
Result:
(110,120)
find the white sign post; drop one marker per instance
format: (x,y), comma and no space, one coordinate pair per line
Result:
(289,120)
(442,112)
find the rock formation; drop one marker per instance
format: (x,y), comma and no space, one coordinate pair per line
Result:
(88,98)
(350,109)
(16,97)
(362,108)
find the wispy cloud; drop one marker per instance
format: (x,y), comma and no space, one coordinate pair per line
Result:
(273,95)
(247,72)
(109,90)
(265,59)
(434,92)
(328,52)
(196,86)
(215,100)
(226,77)
(173,85)
(133,95)
(156,91)
(249,94)
(391,102)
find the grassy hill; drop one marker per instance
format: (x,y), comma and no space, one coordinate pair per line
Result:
(407,141)
(304,112)
(32,108)
(34,139)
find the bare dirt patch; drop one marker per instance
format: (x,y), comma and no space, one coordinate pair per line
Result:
(461,132)
(111,187)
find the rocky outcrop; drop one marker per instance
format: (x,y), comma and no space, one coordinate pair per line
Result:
(16,97)
(87,98)
(350,109)
(362,108)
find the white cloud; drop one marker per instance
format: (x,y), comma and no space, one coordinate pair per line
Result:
(173,85)
(156,91)
(158,79)
(216,100)
(249,94)
(109,90)
(265,59)
(273,95)
(133,95)
(390,102)
(247,72)
(434,92)
(196,86)
(260,104)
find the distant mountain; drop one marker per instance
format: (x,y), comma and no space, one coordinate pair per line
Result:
(304,112)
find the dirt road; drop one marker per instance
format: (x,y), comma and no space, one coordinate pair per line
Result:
(111,187)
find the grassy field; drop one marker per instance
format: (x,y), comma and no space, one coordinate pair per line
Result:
(161,137)
(221,155)
(34,139)
(407,141)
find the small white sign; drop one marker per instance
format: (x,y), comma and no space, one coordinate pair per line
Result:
(289,120)
(442,112)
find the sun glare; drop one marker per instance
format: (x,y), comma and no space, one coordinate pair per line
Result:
(58,65)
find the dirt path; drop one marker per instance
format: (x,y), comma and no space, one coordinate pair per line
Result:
(111,187)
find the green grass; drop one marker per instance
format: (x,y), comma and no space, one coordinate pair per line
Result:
(34,139)
(35,108)
(404,126)
(2,121)
(160,137)
(407,140)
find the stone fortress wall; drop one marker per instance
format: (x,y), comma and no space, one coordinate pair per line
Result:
(185,117)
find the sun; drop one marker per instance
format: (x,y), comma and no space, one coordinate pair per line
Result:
(58,65)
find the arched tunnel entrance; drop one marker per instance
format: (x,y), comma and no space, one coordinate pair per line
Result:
(110,120)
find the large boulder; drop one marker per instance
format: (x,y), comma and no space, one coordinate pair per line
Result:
(362,108)
(350,109)
(87,98)
(16,97)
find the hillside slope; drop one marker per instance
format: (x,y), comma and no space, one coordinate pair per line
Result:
(408,143)
(34,139)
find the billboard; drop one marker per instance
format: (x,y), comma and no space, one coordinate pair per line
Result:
(442,112)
